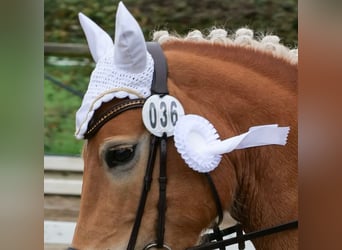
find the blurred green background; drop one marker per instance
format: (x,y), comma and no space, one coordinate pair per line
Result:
(61,25)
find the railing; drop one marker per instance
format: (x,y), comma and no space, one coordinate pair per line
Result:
(69,50)
(62,175)
(62,189)
(66,49)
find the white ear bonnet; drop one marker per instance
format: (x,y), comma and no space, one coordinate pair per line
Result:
(123,69)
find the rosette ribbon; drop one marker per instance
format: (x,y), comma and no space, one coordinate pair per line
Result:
(197,141)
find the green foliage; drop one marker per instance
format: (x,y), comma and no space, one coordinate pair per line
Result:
(265,16)
(60,107)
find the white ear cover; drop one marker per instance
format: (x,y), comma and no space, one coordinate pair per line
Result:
(123,70)
(99,41)
(130,53)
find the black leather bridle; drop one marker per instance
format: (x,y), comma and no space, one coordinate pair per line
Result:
(212,240)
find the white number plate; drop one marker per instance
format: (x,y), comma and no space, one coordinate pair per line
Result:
(160,114)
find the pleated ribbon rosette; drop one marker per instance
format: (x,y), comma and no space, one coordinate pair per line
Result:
(197,141)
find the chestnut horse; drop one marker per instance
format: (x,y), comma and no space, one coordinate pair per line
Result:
(235,82)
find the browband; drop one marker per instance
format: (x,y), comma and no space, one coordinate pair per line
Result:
(99,120)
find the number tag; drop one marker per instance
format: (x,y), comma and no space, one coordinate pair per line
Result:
(160,114)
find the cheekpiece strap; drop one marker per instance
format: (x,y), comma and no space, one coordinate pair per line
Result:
(159,87)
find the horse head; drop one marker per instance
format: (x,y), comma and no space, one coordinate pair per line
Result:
(231,85)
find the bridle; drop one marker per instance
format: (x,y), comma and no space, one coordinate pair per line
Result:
(212,240)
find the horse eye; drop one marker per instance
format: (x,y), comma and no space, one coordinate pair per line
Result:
(119,155)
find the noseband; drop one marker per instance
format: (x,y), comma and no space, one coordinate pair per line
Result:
(212,240)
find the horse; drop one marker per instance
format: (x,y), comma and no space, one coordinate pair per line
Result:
(233,80)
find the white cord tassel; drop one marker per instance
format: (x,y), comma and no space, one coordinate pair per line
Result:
(197,141)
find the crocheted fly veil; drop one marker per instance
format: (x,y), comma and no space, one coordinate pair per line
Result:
(123,68)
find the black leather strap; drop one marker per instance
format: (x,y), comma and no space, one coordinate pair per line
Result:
(217,235)
(239,236)
(145,190)
(159,83)
(243,237)
(162,192)
(216,198)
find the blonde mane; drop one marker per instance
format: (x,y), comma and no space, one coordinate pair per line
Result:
(242,37)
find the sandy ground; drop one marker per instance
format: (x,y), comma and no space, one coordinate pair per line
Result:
(61,208)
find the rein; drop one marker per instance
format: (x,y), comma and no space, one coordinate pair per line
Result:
(241,238)
(212,240)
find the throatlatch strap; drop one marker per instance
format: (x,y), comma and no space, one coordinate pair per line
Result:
(217,235)
(159,83)
(216,198)
(146,188)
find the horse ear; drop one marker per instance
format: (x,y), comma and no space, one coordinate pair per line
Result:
(99,41)
(130,53)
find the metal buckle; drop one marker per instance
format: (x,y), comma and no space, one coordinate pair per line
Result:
(153,244)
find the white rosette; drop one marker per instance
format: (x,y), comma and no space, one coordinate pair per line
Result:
(192,134)
(198,142)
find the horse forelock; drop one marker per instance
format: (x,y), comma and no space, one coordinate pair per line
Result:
(242,37)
